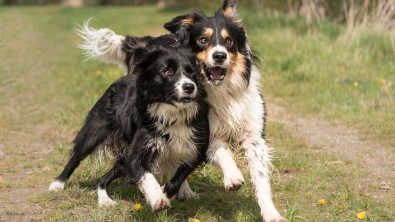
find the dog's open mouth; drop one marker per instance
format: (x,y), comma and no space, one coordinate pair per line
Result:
(185,100)
(215,74)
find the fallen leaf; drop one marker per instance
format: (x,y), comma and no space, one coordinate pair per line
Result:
(46,169)
(385,187)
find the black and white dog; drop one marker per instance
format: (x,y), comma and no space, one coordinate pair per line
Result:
(155,120)
(232,82)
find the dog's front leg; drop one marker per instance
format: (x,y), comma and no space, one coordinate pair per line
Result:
(152,191)
(257,154)
(219,155)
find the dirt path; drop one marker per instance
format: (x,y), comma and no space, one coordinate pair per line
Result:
(343,140)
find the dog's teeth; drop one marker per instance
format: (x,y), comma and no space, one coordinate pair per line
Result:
(211,76)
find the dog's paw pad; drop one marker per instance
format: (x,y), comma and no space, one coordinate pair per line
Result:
(161,204)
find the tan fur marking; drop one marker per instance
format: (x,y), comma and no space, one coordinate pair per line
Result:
(228,12)
(202,56)
(239,65)
(209,32)
(224,34)
(187,22)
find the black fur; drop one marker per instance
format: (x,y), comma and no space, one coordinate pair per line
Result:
(120,118)
(190,33)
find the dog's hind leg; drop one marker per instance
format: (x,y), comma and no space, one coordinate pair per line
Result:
(102,183)
(257,154)
(85,143)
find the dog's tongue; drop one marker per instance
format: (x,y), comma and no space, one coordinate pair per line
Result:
(216,72)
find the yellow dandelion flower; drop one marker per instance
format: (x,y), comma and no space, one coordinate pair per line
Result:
(137,207)
(361,215)
(189,176)
(112,74)
(336,85)
(356,84)
(304,56)
(86,94)
(95,95)
(98,72)
(194,220)
(382,81)
(322,201)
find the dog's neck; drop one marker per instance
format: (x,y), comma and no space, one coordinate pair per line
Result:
(167,114)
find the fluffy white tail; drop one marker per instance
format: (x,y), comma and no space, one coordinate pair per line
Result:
(101,44)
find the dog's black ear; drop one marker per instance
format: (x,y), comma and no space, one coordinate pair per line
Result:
(181,26)
(229,10)
(146,56)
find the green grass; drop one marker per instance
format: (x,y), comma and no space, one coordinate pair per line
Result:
(313,70)
(47,90)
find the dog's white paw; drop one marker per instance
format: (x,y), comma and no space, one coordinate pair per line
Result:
(103,199)
(273,217)
(233,181)
(56,186)
(186,195)
(160,204)
(107,203)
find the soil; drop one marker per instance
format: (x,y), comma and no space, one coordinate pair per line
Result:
(345,141)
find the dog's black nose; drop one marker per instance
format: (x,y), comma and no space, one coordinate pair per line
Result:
(219,57)
(188,88)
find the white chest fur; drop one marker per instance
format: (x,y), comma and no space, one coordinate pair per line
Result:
(236,110)
(179,146)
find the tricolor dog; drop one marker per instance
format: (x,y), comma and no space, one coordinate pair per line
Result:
(232,81)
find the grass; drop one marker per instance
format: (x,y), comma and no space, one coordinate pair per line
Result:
(47,90)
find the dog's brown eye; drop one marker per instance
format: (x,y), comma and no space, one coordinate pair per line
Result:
(228,40)
(203,40)
(167,72)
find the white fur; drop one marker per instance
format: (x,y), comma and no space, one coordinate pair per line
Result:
(101,44)
(236,114)
(103,199)
(180,147)
(185,191)
(56,185)
(210,62)
(180,91)
(153,193)
(170,114)
(221,156)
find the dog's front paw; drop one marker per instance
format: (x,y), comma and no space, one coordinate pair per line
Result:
(273,218)
(160,204)
(234,181)
(186,195)
(56,185)
(107,203)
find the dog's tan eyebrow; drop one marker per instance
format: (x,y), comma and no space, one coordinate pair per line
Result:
(208,32)
(224,33)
